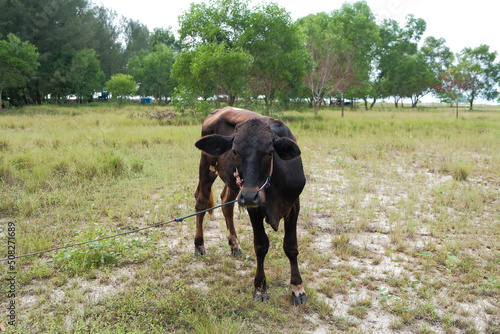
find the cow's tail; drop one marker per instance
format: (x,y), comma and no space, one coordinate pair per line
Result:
(211,202)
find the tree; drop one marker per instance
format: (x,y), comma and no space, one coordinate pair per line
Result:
(85,74)
(264,37)
(161,37)
(278,50)
(481,72)
(121,85)
(321,68)
(18,63)
(342,45)
(214,22)
(355,35)
(417,77)
(214,62)
(106,41)
(452,84)
(152,72)
(58,28)
(398,56)
(136,37)
(214,69)
(437,54)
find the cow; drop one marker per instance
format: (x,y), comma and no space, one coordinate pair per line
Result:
(259,161)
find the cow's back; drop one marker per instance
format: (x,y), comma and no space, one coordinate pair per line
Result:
(224,121)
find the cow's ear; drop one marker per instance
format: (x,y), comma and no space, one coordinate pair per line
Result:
(286,148)
(215,144)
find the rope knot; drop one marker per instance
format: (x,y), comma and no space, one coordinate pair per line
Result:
(239,180)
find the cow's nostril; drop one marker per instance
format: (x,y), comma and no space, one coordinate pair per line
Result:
(256,198)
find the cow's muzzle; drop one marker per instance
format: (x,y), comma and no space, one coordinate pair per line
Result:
(250,198)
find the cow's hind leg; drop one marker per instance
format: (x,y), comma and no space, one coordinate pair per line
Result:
(291,250)
(204,199)
(228,195)
(261,246)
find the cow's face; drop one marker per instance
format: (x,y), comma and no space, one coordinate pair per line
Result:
(253,148)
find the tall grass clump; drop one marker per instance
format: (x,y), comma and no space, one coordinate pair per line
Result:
(460,171)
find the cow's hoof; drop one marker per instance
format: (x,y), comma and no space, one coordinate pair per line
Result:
(261,297)
(299,300)
(236,252)
(198,251)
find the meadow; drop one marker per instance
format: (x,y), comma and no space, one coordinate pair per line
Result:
(399,228)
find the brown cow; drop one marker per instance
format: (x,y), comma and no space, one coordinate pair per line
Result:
(259,161)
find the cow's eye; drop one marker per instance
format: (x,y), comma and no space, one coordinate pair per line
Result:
(270,154)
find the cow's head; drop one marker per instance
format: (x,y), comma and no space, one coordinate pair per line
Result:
(253,148)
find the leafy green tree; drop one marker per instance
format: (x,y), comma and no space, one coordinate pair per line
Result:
(277,47)
(58,28)
(161,37)
(264,36)
(481,72)
(321,66)
(397,55)
(121,86)
(355,35)
(437,54)
(152,72)
(85,74)
(18,63)
(137,38)
(342,45)
(214,22)
(214,69)
(419,78)
(106,41)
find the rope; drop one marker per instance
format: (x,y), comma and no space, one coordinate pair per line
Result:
(119,234)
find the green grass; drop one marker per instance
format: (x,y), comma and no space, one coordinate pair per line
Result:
(399,225)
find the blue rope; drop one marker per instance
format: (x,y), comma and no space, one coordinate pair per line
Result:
(200,212)
(119,234)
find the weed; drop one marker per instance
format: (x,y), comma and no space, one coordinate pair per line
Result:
(360,309)
(86,258)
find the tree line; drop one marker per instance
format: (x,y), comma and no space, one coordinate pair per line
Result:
(232,52)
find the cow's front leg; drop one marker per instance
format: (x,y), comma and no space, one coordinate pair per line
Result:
(228,195)
(291,250)
(204,200)
(261,246)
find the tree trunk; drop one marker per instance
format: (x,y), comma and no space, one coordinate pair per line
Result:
(366,103)
(471,102)
(456,102)
(316,108)
(396,102)
(342,104)
(1,99)
(373,103)
(352,103)
(232,99)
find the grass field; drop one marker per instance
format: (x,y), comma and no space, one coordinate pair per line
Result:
(399,229)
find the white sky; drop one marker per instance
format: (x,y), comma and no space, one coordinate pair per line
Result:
(460,23)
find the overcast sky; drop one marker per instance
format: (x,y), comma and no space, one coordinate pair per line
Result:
(460,23)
